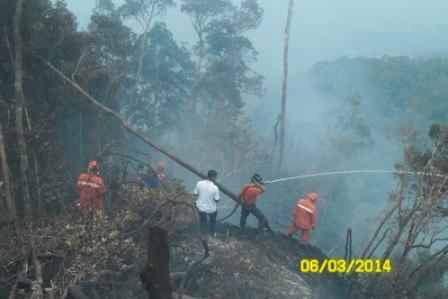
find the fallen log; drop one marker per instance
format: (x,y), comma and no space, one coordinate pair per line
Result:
(97,105)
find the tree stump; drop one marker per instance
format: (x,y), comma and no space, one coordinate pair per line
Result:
(155,274)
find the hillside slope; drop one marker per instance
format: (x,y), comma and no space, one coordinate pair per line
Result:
(104,254)
(244,265)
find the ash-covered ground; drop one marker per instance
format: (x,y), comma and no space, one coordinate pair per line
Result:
(243,264)
(103,254)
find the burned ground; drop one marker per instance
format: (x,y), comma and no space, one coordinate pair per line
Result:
(244,265)
(103,254)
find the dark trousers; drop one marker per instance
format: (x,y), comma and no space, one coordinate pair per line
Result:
(203,220)
(252,209)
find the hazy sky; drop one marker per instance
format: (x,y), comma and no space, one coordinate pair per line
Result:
(325,29)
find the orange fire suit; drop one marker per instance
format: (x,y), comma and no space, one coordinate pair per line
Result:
(90,188)
(305,218)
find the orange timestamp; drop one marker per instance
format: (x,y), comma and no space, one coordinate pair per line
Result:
(345,267)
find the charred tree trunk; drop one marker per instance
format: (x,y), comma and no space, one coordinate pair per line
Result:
(155,274)
(10,207)
(19,107)
(282,116)
(40,211)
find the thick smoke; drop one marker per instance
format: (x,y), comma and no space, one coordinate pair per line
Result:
(325,132)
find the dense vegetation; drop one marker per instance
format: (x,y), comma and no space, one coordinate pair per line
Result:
(191,98)
(391,83)
(160,86)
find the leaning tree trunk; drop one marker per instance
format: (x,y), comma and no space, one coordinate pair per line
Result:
(10,207)
(97,105)
(19,106)
(282,117)
(121,121)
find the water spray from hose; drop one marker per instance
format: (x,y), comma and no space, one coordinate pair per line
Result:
(415,173)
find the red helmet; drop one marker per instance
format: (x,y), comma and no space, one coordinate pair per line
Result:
(92,165)
(313,196)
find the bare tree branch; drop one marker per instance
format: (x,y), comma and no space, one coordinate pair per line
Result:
(19,106)
(77,67)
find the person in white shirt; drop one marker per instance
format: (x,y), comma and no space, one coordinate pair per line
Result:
(208,196)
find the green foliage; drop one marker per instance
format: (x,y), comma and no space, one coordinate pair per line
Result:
(205,10)
(105,6)
(166,82)
(390,83)
(224,50)
(158,84)
(249,16)
(49,32)
(112,39)
(144,10)
(223,56)
(350,121)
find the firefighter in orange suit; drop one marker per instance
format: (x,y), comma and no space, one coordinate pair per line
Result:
(91,188)
(305,217)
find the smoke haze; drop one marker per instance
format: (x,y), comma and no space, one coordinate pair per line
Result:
(324,30)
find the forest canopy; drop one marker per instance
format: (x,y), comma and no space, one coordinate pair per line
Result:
(206,101)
